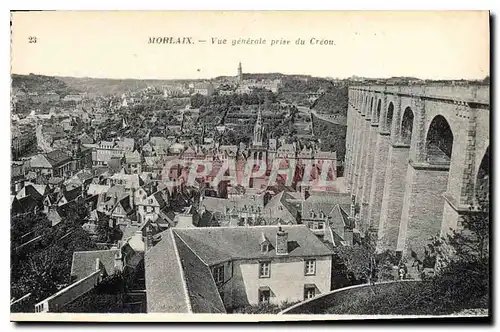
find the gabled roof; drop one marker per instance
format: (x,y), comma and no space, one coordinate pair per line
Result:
(133,157)
(125,204)
(36,191)
(167,290)
(189,150)
(57,157)
(86,139)
(178,275)
(340,218)
(84,262)
(202,291)
(324,202)
(23,205)
(54,217)
(287,214)
(71,195)
(218,244)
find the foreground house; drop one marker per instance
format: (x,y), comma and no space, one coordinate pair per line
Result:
(217,269)
(90,268)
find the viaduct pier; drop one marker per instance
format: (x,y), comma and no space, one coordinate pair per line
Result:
(415,159)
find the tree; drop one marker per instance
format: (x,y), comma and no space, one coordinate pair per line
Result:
(361,262)
(461,279)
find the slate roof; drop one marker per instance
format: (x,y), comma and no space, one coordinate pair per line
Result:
(85,176)
(84,262)
(115,164)
(72,194)
(290,211)
(218,244)
(165,284)
(340,218)
(126,143)
(203,294)
(97,189)
(57,157)
(36,191)
(86,139)
(158,140)
(23,205)
(178,275)
(55,180)
(324,202)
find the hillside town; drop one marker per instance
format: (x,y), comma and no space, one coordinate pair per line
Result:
(208,196)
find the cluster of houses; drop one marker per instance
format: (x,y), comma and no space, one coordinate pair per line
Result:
(202,247)
(123,184)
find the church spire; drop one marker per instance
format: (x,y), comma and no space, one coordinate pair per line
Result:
(240,73)
(257,131)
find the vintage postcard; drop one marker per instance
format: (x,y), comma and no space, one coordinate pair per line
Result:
(249,166)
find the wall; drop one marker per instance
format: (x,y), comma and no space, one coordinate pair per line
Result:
(286,281)
(69,294)
(318,304)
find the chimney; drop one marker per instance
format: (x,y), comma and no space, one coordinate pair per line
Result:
(353,206)
(281,242)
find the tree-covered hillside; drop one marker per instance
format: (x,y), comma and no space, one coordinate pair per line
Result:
(335,101)
(41,84)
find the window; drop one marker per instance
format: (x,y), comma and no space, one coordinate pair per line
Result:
(219,274)
(310,267)
(264,269)
(264,295)
(309,292)
(264,247)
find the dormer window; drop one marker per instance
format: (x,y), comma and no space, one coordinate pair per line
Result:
(264,247)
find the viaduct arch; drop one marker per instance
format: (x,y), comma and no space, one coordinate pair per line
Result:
(416,159)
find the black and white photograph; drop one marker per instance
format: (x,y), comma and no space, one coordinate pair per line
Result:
(249,165)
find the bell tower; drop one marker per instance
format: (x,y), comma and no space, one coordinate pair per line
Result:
(240,73)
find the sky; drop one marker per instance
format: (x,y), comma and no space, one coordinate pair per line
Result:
(113,44)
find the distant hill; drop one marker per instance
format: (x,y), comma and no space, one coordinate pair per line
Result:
(67,85)
(41,84)
(106,86)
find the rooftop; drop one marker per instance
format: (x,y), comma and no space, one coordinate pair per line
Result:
(218,244)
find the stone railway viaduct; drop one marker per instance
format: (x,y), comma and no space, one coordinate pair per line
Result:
(415,157)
